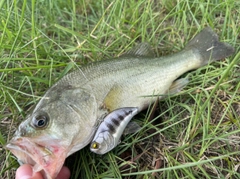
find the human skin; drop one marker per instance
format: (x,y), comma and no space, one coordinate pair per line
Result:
(25,172)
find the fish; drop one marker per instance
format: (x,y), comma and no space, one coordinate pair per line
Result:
(111,129)
(66,118)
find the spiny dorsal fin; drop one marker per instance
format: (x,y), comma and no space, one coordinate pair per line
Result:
(142,49)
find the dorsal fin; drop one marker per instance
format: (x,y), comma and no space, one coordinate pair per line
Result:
(142,49)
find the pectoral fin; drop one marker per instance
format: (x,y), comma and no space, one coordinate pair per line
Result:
(113,98)
(132,127)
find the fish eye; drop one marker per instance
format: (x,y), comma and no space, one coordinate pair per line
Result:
(40,121)
(95,145)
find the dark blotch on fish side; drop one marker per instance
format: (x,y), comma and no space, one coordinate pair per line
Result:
(128,112)
(120,117)
(111,127)
(116,122)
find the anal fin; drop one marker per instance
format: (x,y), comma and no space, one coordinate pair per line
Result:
(178,85)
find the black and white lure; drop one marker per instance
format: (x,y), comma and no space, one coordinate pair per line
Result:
(111,129)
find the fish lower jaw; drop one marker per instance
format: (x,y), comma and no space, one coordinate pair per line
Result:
(47,160)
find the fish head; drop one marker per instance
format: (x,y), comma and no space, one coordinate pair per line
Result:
(58,126)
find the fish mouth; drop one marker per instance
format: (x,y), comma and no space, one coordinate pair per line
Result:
(47,159)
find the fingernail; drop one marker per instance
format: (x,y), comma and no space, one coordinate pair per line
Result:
(26,177)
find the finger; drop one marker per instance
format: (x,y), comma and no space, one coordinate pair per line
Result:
(25,172)
(64,173)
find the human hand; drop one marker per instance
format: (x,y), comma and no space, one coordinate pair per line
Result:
(25,172)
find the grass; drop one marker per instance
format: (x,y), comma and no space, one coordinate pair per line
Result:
(194,134)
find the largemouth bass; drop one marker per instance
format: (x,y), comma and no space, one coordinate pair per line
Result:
(67,116)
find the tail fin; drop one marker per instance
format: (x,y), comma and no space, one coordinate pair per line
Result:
(209,47)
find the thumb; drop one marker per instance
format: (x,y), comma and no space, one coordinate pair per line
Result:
(25,172)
